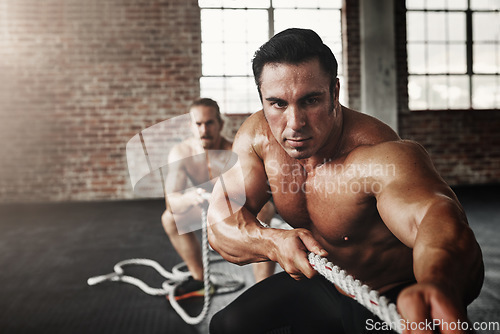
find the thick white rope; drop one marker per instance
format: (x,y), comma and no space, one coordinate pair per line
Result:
(173,278)
(371,299)
(206,279)
(225,283)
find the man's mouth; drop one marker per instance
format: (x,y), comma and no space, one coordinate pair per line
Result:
(297,142)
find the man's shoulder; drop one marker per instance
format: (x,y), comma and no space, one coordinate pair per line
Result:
(367,130)
(182,150)
(254,134)
(254,123)
(253,126)
(399,153)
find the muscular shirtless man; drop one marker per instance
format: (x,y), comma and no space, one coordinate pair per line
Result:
(354,192)
(185,163)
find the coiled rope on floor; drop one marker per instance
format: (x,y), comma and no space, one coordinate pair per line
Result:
(225,283)
(363,294)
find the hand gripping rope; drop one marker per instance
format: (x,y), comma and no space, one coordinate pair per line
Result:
(371,299)
(224,282)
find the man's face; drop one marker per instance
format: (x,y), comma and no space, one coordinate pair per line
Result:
(298,106)
(206,126)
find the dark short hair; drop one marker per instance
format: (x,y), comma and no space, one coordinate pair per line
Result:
(294,46)
(207,102)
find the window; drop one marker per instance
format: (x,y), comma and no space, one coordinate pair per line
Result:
(453,54)
(232,30)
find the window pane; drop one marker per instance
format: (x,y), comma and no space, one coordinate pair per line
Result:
(457,4)
(486,92)
(436,4)
(486,27)
(415,4)
(457,58)
(235,95)
(415,26)
(209,3)
(257,28)
(234,25)
(457,27)
(337,52)
(416,58)
(438,92)
(342,91)
(436,27)
(486,58)
(230,38)
(417,92)
(325,22)
(337,4)
(241,25)
(236,59)
(242,96)
(234,3)
(436,58)
(438,47)
(458,92)
(485,4)
(212,62)
(213,87)
(211,21)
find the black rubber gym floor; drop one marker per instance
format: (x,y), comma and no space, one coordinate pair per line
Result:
(48,251)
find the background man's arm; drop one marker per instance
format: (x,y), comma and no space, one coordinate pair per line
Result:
(175,183)
(238,236)
(424,213)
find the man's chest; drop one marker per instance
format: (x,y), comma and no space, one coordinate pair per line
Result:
(205,169)
(333,201)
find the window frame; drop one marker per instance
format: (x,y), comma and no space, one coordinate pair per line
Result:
(271,32)
(469,57)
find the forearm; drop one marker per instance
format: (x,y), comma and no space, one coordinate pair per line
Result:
(181,202)
(446,251)
(240,238)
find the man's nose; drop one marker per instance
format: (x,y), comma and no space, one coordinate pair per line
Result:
(296,119)
(202,129)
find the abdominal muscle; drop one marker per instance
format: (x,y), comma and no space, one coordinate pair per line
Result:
(375,257)
(355,237)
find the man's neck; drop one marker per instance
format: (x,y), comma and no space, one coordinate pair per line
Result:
(219,145)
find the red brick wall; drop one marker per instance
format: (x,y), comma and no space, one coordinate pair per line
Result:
(464,145)
(78,80)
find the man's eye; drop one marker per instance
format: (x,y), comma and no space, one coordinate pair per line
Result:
(279,104)
(310,101)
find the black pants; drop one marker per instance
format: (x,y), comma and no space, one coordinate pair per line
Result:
(280,305)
